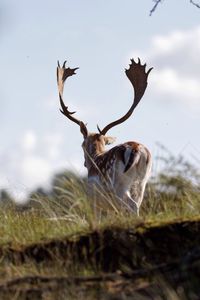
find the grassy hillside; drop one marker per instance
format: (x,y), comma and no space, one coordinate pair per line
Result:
(63,244)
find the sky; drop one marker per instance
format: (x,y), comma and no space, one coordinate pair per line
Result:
(100,37)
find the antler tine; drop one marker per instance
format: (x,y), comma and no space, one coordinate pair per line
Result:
(138,78)
(62,74)
(66,112)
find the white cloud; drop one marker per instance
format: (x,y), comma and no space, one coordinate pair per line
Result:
(163,45)
(175,41)
(48,144)
(35,159)
(3,181)
(53,143)
(168,82)
(175,57)
(36,165)
(179,48)
(29,140)
(35,171)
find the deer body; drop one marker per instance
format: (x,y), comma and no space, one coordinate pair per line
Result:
(125,168)
(119,169)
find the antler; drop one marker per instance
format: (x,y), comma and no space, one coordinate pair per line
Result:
(138,77)
(62,74)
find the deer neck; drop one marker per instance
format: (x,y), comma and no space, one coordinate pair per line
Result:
(92,151)
(95,149)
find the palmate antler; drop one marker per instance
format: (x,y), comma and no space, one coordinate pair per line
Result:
(138,77)
(62,74)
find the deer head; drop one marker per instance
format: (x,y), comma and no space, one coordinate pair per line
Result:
(94,143)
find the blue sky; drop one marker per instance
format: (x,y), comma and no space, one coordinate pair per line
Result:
(100,37)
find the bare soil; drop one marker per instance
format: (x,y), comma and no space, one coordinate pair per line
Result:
(143,262)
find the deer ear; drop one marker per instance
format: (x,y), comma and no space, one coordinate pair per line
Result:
(83,129)
(109,140)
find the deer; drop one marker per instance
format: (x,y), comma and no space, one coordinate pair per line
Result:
(125,168)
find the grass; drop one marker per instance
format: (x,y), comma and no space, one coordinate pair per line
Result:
(62,243)
(60,216)
(67,210)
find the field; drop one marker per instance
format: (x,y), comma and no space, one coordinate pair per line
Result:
(63,245)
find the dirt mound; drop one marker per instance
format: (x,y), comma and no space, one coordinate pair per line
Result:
(112,248)
(143,261)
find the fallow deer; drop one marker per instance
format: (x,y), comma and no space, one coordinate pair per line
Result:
(125,167)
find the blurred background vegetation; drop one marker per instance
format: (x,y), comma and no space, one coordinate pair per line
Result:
(173,190)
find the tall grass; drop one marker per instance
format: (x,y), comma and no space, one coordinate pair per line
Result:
(174,192)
